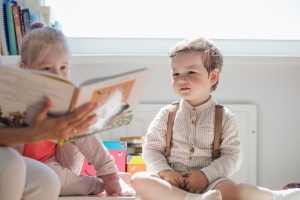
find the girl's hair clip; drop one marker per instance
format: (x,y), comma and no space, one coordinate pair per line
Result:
(36,25)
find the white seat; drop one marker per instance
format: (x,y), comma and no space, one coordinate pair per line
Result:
(94,197)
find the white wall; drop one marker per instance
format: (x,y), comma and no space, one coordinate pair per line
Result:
(273,86)
(271,83)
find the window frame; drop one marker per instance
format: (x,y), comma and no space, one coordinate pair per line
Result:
(160,46)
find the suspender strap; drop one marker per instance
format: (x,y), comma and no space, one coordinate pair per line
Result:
(218,130)
(171,117)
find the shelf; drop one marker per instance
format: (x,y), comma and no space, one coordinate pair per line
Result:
(89,59)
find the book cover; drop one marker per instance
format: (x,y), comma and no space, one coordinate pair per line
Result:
(22,95)
(25,17)
(138,138)
(33,16)
(18,25)
(12,40)
(134,142)
(3,30)
(134,145)
(46,16)
(34,5)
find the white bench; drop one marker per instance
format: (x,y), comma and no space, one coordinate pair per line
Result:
(94,197)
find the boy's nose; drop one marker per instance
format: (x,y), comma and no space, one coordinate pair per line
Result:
(183,79)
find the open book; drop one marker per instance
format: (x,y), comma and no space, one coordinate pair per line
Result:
(22,95)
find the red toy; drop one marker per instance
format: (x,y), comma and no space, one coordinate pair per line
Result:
(292,185)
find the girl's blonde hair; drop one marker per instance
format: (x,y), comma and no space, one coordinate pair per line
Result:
(41,41)
(211,54)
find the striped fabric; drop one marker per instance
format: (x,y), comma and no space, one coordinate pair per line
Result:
(192,141)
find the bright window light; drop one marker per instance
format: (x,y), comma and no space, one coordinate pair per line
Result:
(218,19)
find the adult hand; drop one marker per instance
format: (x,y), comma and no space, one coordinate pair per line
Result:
(195,182)
(172,177)
(72,124)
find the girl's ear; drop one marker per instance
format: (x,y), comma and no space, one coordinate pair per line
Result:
(214,76)
(22,65)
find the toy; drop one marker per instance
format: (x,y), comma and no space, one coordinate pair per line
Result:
(292,185)
(117,149)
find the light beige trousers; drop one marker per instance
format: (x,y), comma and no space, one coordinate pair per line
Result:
(25,178)
(185,171)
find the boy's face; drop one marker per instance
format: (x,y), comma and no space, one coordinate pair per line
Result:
(54,63)
(191,80)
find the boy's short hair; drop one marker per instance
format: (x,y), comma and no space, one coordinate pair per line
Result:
(211,53)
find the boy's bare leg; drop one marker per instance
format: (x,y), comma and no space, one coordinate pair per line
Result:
(150,186)
(231,191)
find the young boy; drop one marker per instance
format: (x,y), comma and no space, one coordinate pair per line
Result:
(190,173)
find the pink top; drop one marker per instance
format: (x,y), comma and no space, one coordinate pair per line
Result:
(40,151)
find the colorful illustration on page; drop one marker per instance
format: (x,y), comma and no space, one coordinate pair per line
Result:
(113,106)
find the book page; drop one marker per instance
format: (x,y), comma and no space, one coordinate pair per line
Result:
(23,93)
(118,98)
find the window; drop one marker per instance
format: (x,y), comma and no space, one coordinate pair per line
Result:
(157,20)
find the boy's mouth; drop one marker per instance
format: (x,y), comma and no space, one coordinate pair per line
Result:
(184,89)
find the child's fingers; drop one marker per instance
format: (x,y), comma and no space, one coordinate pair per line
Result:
(182,183)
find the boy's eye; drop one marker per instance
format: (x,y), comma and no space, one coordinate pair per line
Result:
(64,68)
(176,74)
(191,72)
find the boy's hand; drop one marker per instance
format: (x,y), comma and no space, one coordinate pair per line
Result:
(172,177)
(195,182)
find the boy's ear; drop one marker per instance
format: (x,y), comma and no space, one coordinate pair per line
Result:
(214,76)
(22,65)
